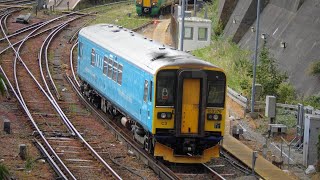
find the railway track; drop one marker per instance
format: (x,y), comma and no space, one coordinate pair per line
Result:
(73,156)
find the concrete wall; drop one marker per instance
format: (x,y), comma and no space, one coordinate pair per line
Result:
(296,22)
(242,18)
(226,8)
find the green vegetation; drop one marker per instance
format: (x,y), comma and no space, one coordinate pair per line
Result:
(29,163)
(123,15)
(2,90)
(239,69)
(4,172)
(313,101)
(315,68)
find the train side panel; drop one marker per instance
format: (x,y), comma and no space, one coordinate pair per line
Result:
(129,93)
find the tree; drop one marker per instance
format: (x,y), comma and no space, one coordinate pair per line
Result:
(268,74)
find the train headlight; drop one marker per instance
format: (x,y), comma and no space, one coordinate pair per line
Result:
(214,117)
(164,115)
(153,4)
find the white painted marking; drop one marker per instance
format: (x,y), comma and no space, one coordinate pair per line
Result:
(275,31)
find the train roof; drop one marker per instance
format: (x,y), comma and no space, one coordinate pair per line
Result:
(141,51)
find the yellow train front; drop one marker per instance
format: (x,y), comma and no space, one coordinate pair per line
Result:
(189,113)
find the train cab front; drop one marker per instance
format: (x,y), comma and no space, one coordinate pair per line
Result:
(147,7)
(190,113)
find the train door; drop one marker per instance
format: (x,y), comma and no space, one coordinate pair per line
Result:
(190,103)
(190,106)
(145,111)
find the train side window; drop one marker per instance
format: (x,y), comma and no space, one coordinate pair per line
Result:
(105,65)
(188,32)
(93,57)
(80,49)
(115,71)
(202,34)
(150,97)
(110,68)
(120,74)
(145,93)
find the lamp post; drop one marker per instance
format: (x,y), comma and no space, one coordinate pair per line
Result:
(255,58)
(182,25)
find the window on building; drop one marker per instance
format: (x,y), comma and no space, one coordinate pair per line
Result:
(188,32)
(93,57)
(145,93)
(202,34)
(120,74)
(110,64)
(105,65)
(115,71)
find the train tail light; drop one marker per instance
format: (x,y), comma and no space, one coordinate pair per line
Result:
(214,116)
(164,115)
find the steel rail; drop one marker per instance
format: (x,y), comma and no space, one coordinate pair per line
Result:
(36,127)
(22,30)
(68,122)
(71,64)
(42,50)
(49,159)
(214,172)
(162,171)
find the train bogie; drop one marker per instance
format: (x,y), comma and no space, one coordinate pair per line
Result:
(173,103)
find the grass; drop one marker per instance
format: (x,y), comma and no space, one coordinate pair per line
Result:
(226,55)
(119,15)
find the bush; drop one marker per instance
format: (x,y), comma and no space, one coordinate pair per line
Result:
(1,86)
(315,68)
(285,93)
(313,101)
(4,172)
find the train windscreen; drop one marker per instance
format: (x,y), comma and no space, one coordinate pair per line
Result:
(165,91)
(216,89)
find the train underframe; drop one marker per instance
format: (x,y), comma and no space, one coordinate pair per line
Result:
(164,144)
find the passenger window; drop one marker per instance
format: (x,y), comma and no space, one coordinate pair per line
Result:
(115,71)
(150,91)
(93,57)
(105,65)
(145,94)
(120,74)
(80,49)
(110,68)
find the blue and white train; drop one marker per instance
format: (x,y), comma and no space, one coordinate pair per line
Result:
(173,102)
